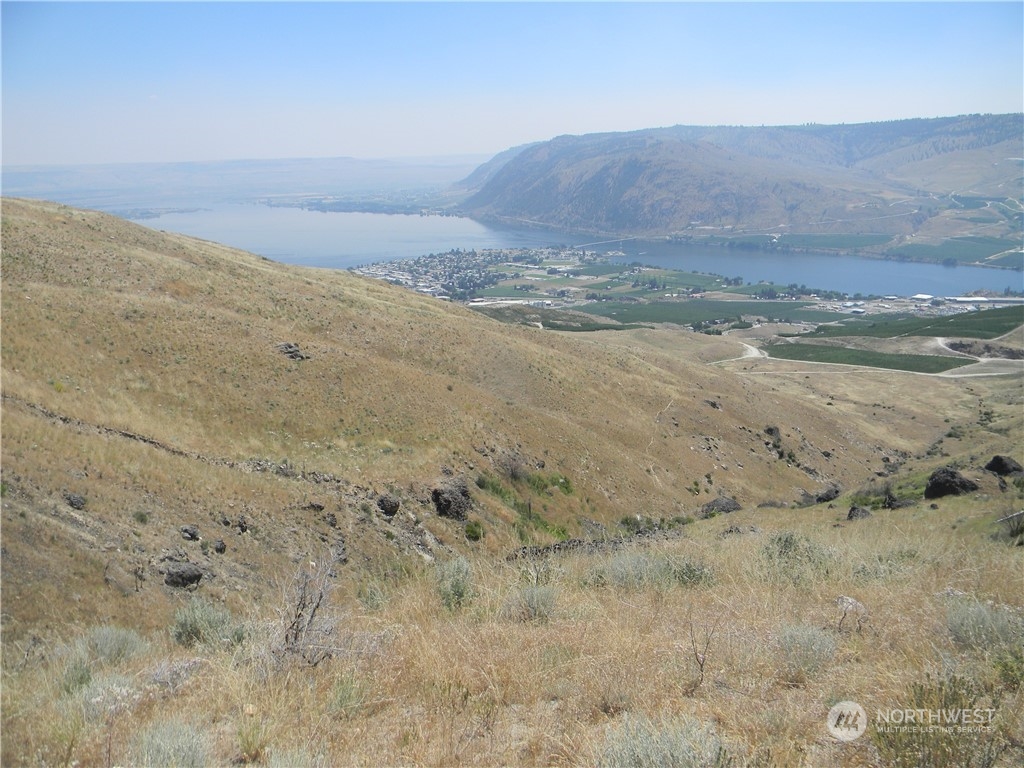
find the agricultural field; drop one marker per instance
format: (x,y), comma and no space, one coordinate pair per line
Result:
(708,310)
(962,250)
(818,353)
(986,324)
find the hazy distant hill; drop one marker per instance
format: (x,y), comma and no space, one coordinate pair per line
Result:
(894,177)
(124,186)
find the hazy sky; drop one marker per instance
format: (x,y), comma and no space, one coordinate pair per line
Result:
(111,82)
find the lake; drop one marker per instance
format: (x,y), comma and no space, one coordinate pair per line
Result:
(344,240)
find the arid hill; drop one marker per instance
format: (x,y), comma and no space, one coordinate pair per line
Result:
(186,427)
(935,177)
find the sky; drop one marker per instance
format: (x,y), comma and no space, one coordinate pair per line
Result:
(92,82)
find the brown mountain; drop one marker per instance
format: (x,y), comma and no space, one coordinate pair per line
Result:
(895,177)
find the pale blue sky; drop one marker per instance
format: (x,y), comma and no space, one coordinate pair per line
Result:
(131,82)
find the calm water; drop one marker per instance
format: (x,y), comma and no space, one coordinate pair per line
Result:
(343,240)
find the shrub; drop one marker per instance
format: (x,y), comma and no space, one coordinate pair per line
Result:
(112,645)
(200,622)
(531,603)
(76,674)
(295,758)
(804,650)
(454,583)
(252,740)
(639,742)
(107,695)
(939,746)
(171,743)
(638,570)
(796,558)
(474,530)
(977,626)
(347,695)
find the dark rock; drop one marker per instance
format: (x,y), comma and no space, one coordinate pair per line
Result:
(947,482)
(74,500)
(389,504)
(314,507)
(331,519)
(182,575)
(292,351)
(721,505)
(829,494)
(225,521)
(452,499)
(1004,465)
(220,547)
(190,533)
(714,404)
(243,524)
(858,513)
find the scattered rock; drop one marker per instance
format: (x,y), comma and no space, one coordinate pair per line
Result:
(452,499)
(721,505)
(74,500)
(220,547)
(331,519)
(292,351)
(829,494)
(190,532)
(1004,465)
(389,504)
(243,524)
(714,404)
(948,482)
(314,507)
(858,513)
(182,575)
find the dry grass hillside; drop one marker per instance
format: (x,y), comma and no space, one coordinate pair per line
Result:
(145,389)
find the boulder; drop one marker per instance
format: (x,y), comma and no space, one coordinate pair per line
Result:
(948,482)
(721,505)
(858,513)
(220,547)
(190,532)
(74,500)
(452,499)
(389,504)
(829,494)
(182,575)
(1004,465)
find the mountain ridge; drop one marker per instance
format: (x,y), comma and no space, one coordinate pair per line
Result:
(840,178)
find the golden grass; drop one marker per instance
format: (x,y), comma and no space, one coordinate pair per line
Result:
(417,683)
(140,372)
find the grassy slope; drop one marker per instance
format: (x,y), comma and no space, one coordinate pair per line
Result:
(111,330)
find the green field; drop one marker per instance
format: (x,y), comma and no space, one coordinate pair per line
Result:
(959,249)
(690,311)
(817,353)
(987,324)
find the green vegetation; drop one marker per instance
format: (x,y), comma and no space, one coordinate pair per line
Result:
(986,324)
(963,250)
(707,310)
(817,353)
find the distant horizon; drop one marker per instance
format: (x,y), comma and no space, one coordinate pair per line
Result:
(458,158)
(94,83)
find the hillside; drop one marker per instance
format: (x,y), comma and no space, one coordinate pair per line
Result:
(897,178)
(316,419)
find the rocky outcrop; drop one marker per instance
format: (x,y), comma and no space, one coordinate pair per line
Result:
(389,504)
(858,513)
(948,482)
(182,575)
(719,506)
(452,499)
(1004,465)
